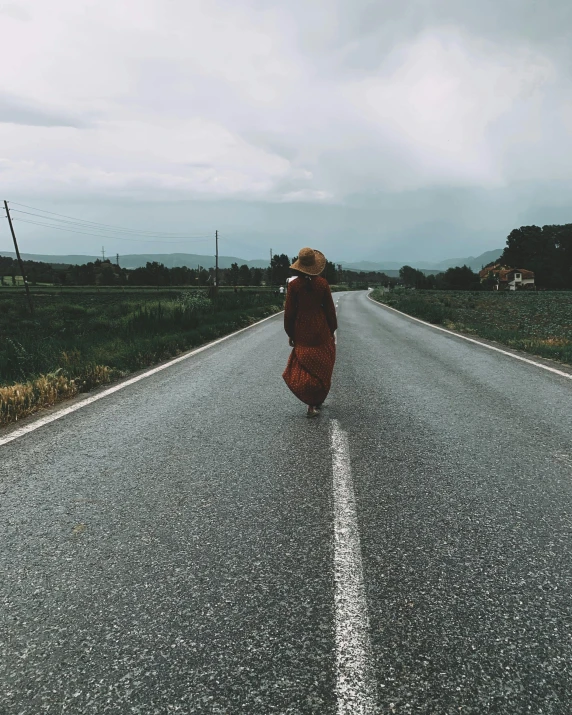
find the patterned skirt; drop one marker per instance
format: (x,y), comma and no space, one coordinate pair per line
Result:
(308,373)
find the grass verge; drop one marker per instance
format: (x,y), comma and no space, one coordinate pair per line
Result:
(72,347)
(539,322)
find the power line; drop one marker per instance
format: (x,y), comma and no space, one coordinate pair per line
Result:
(224,237)
(104,231)
(94,224)
(95,227)
(117,238)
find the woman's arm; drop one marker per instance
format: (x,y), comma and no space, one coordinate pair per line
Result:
(330,310)
(290,309)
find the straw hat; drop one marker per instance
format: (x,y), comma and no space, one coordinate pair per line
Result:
(310,261)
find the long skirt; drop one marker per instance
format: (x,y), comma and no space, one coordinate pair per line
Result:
(309,372)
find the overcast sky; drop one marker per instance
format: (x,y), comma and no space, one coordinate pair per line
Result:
(392,130)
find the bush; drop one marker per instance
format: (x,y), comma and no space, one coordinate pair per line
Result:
(74,347)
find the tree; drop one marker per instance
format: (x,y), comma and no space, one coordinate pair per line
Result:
(182,276)
(38,272)
(330,273)
(535,249)
(234,274)
(280,269)
(564,246)
(82,275)
(153,274)
(412,278)
(158,274)
(256,276)
(244,275)
(430,282)
(107,274)
(490,281)
(458,278)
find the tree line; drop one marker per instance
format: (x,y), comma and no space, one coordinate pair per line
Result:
(107,273)
(546,251)
(457,278)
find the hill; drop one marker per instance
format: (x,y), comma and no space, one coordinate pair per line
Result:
(135,260)
(192,260)
(474,262)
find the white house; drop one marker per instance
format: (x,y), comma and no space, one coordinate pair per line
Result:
(520,278)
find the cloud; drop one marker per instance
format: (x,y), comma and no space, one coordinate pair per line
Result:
(439,97)
(15,12)
(138,158)
(15,110)
(333,103)
(261,98)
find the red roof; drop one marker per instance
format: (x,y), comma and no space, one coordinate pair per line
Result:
(523,273)
(503,272)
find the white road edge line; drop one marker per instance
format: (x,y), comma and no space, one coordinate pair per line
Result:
(16,434)
(476,342)
(355,682)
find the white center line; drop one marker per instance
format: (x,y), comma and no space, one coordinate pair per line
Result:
(355,682)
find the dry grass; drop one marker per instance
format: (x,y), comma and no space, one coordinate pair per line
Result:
(73,345)
(538,322)
(20,400)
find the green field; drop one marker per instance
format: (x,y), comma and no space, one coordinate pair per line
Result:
(40,288)
(537,322)
(83,339)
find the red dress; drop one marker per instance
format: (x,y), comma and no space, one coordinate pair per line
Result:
(310,321)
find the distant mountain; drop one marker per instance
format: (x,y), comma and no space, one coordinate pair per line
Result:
(476,263)
(391,272)
(171,260)
(192,260)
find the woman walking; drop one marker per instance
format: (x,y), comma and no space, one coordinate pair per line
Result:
(310,322)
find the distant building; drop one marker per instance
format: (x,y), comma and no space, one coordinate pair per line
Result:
(508,278)
(520,278)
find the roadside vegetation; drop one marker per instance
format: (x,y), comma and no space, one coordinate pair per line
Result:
(75,342)
(538,322)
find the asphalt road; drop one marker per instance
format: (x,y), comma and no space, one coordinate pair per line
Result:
(170,548)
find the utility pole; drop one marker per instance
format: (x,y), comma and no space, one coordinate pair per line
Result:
(19,258)
(216,260)
(103,253)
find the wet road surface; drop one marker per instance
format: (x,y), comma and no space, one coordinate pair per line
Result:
(192,543)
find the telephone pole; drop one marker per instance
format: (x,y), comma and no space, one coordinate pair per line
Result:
(216,260)
(103,253)
(20,261)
